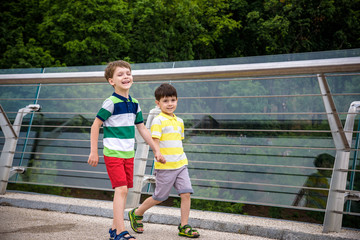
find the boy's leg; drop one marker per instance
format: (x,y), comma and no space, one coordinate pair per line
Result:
(164,182)
(119,208)
(185,229)
(120,172)
(185,208)
(184,188)
(147,204)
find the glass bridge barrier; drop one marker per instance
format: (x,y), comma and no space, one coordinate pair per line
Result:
(258,130)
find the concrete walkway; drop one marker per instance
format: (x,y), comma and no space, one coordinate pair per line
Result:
(40,216)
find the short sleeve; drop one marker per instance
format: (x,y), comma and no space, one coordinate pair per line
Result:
(106,110)
(182,130)
(156,128)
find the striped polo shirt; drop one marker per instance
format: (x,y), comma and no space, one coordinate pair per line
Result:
(119,116)
(170,132)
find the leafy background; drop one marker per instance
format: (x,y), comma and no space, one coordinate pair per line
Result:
(47,33)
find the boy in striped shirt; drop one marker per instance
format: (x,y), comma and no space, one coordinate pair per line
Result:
(167,130)
(119,114)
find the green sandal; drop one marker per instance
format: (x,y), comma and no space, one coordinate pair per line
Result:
(133,221)
(189,233)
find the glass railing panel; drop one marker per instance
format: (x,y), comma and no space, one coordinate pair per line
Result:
(253,140)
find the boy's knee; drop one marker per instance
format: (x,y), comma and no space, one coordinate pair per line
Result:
(156,201)
(123,190)
(185,195)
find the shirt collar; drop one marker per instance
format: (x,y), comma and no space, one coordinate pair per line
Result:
(168,117)
(122,98)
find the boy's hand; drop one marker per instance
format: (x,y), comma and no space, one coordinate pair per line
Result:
(93,159)
(160,158)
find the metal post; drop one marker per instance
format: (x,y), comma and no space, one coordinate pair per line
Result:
(141,155)
(352,174)
(30,123)
(342,140)
(11,133)
(336,198)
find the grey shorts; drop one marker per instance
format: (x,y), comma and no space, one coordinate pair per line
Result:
(166,179)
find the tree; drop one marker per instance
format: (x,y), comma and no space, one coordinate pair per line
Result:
(29,55)
(85,32)
(163,30)
(18,36)
(219,20)
(48,33)
(180,30)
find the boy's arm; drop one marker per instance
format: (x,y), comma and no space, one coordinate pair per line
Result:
(157,143)
(145,133)
(94,139)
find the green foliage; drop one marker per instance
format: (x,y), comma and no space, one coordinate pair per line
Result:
(85,32)
(39,189)
(51,33)
(29,55)
(275,212)
(214,206)
(351,221)
(318,216)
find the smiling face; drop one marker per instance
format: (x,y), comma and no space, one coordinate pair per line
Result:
(167,105)
(122,80)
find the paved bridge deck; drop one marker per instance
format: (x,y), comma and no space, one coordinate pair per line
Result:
(161,221)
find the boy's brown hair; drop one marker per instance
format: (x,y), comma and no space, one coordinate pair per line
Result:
(165,90)
(110,69)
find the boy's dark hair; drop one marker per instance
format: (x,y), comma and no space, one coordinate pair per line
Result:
(165,90)
(110,69)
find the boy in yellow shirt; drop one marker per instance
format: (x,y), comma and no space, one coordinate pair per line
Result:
(167,131)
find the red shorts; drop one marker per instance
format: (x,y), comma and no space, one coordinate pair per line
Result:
(120,171)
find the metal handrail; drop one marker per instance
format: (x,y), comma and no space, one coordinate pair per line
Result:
(210,74)
(333,65)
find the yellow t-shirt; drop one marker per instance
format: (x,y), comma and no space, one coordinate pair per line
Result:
(170,132)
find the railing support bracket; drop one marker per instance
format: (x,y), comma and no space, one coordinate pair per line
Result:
(11,133)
